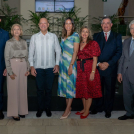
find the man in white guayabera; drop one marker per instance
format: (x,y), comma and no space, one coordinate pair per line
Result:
(44,46)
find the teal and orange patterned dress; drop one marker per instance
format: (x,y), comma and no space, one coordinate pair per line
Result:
(66,83)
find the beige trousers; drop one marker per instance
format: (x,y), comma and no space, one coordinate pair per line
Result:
(17,89)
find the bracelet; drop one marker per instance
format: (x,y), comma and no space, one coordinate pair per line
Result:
(93,71)
(71,64)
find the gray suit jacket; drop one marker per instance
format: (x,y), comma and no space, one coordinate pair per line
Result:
(127,62)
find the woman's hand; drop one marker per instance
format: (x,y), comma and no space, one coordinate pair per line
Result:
(27,73)
(12,76)
(91,76)
(70,70)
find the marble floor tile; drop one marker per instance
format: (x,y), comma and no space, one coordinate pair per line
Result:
(94,124)
(122,122)
(4,122)
(12,122)
(95,128)
(61,129)
(6,129)
(121,128)
(29,130)
(33,122)
(70,122)
(55,122)
(46,122)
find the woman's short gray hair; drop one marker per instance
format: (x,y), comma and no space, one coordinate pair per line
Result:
(132,22)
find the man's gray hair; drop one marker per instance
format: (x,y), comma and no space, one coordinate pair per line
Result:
(132,22)
(106,18)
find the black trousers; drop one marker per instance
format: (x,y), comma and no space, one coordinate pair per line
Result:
(44,82)
(106,102)
(1,88)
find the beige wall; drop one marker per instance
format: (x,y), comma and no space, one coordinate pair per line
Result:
(95,9)
(25,6)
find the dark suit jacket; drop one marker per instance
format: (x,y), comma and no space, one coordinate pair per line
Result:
(4,36)
(126,61)
(110,51)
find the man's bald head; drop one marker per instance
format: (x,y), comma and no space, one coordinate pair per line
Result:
(43,25)
(43,19)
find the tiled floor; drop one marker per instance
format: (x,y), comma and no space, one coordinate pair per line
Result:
(94,124)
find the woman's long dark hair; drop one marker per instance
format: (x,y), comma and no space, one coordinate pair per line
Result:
(64,31)
(90,34)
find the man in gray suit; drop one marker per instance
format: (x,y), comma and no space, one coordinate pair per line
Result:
(126,73)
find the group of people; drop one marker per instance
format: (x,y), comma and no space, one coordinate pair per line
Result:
(86,65)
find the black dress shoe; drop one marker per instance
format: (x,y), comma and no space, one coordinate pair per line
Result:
(39,113)
(1,115)
(48,112)
(16,119)
(125,117)
(22,116)
(93,112)
(108,114)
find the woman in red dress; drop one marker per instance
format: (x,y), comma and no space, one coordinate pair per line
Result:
(88,84)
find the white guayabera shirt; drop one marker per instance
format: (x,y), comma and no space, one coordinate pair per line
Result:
(43,49)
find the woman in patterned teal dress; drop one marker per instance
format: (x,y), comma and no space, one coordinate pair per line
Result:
(68,65)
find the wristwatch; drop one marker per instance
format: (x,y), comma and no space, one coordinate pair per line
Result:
(98,64)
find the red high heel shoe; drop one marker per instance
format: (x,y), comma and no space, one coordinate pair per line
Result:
(78,113)
(84,117)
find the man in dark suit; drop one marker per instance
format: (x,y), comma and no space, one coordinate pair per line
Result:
(126,73)
(4,36)
(111,49)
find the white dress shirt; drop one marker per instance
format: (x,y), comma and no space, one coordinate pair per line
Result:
(43,49)
(108,33)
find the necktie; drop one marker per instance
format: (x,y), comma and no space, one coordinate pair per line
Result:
(106,36)
(131,48)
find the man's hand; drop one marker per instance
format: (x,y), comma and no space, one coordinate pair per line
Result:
(106,65)
(33,71)
(119,78)
(5,73)
(56,69)
(103,66)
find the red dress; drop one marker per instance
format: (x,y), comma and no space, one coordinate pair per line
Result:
(84,87)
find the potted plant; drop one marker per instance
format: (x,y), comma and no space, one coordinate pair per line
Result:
(10,17)
(34,20)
